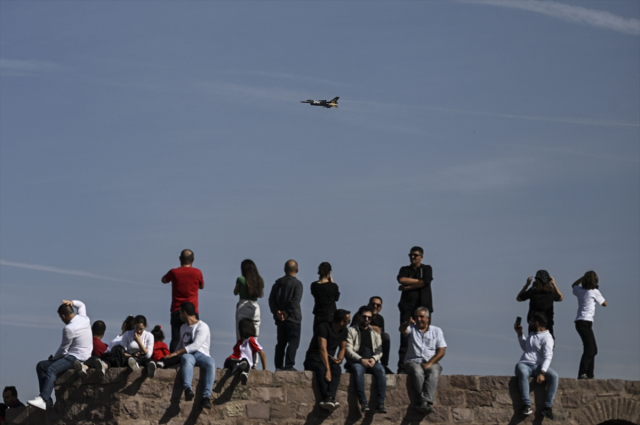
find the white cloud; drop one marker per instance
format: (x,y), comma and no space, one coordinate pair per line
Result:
(14,67)
(596,18)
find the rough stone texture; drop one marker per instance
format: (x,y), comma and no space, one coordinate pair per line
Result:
(290,398)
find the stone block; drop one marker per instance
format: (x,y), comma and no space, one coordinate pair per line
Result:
(571,400)
(394,415)
(398,397)
(480,398)
(391,381)
(450,397)
(260,378)
(288,378)
(282,412)
(615,384)
(258,411)
(587,397)
(234,409)
(131,408)
(266,394)
(504,398)
(439,414)
(241,392)
(443,382)
(345,379)
(632,387)
(488,415)
(461,414)
(303,410)
(169,375)
(464,382)
(300,395)
(495,382)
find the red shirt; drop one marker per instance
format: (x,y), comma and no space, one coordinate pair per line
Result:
(99,347)
(185,283)
(160,351)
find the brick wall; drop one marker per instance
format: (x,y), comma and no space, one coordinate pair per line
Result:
(126,398)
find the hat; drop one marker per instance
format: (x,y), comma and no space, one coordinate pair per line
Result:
(543,276)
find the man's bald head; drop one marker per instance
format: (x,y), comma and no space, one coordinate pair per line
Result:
(186,257)
(291,267)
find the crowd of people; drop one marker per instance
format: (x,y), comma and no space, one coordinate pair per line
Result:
(360,342)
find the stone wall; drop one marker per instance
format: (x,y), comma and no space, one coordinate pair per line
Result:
(126,398)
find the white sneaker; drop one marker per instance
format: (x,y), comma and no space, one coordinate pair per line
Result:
(151,369)
(80,368)
(38,402)
(101,368)
(160,365)
(133,364)
(244,377)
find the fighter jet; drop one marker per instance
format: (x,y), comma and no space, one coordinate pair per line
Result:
(333,103)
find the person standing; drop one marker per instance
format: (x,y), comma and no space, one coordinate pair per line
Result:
(543,293)
(284,302)
(249,287)
(193,350)
(425,350)
(185,280)
(586,289)
(77,343)
(321,357)
(415,285)
(325,295)
(535,361)
(363,352)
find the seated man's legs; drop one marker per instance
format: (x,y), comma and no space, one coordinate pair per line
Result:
(551,378)
(176,324)
(523,372)
(207,364)
(416,376)
(48,371)
(378,371)
(187,362)
(358,372)
(431,382)
(332,387)
(315,365)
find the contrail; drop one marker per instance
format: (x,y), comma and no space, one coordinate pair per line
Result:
(595,18)
(66,271)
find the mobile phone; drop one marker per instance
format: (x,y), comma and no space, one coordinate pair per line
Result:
(518,320)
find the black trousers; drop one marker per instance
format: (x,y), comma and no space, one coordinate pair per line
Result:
(327,389)
(386,348)
(288,340)
(404,340)
(176,324)
(587,362)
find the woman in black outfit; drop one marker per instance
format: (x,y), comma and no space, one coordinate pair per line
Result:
(325,294)
(542,294)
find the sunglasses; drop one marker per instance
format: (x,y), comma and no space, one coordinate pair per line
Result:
(376,305)
(415,255)
(366,317)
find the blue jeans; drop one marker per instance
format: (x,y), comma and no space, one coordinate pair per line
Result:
(381,380)
(204,362)
(526,370)
(48,371)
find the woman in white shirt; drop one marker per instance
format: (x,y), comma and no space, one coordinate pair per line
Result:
(588,294)
(127,325)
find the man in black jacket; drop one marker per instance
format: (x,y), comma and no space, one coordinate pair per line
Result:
(284,302)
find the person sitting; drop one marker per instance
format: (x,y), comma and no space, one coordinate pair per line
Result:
(363,353)
(193,350)
(320,356)
(10,398)
(377,323)
(426,346)
(535,361)
(160,348)
(245,350)
(98,329)
(76,345)
(127,325)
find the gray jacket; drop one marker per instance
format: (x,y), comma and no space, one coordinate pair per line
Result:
(353,344)
(285,295)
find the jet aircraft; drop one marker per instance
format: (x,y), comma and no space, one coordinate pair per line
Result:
(333,103)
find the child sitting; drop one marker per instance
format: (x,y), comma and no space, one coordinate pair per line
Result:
(241,361)
(160,349)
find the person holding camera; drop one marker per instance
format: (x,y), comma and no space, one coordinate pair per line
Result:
(535,361)
(542,294)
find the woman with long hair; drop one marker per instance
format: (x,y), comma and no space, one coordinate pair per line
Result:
(586,289)
(325,294)
(542,294)
(250,287)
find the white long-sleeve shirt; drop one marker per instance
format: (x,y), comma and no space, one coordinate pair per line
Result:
(196,337)
(538,349)
(130,345)
(77,339)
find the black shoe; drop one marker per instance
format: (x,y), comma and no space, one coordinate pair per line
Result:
(327,404)
(547,413)
(205,403)
(388,371)
(526,410)
(424,407)
(380,408)
(364,406)
(583,376)
(188,394)
(290,369)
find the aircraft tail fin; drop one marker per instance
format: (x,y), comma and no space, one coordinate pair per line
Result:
(334,100)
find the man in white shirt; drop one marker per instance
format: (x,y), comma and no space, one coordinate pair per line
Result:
(193,350)
(426,346)
(535,361)
(77,343)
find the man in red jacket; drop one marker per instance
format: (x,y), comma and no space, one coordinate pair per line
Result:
(185,283)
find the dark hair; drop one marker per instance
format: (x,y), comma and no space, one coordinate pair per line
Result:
(340,314)
(255,283)
(128,323)
(365,308)
(374,297)
(188,308)
(324,269)
(246,328)
(98,328)
(291,266)
(417,249)
(157,333)
(12,390)
(590,280)
(140,319)
(65,310)
(539,317)
(186,257)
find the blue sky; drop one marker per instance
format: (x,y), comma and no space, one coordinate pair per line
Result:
(503,137)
